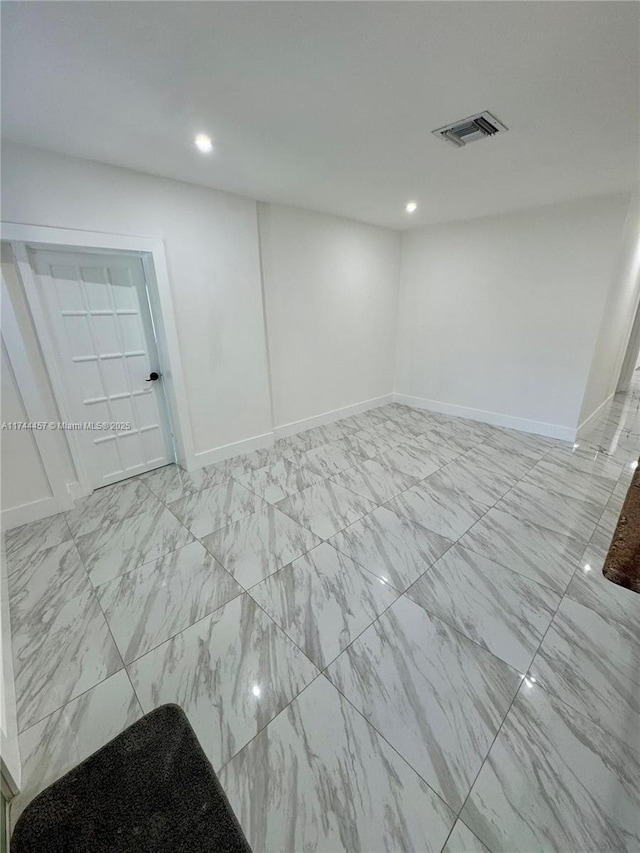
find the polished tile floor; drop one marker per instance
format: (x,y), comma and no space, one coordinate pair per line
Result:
(389,633)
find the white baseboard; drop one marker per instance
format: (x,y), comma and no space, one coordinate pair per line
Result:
(15,516)
(594,416)
(225,451)
(77,490)
(329,417)
(218,454)
(494,418)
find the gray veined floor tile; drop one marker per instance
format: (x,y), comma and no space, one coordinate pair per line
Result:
(328,459)
(46,581)
(21,542)
(504,462)
(536,552)
(255,547)
(564,480)
(127,544)
(626,453)
(231,672)
(326,433)
(364,420)
(569,516)
(445,512)
(435,444)
(584,449)
(326,508)
(236,466)
(382,413)
(390,546)
(172,483)
(613,507)
(414,427)
(415,461)
(64,653)
(56,744)
(490,429)
(555,781)
(483,485)
(323,601)
(392,432)
(460,435)
(320,778)
(621,488)
(353,423)
(462,840)
(589,461)
(426,419)
(108,505)
(150,604)
(437,697)
(318,436)
(368,442)
(534,446)
(497,608)
(597,548)
(277,481)
(375,479)
(615,603)
(214,508)
(622,448)
(293,445)
(396,411)
(610,516)
(591,663)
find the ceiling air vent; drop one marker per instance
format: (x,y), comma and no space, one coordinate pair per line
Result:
(461,133)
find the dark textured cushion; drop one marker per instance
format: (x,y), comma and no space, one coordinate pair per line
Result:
(622,565)
(150,789)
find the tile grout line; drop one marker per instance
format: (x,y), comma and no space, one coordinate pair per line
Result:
(113,640)
(247,590)
(520,687)
(93,595)
(466,637)
(137,567)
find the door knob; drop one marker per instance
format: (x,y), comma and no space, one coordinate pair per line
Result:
(152,377)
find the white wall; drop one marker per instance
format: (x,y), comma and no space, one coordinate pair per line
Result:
(210,241)
(330,289)
(24,480)
(617,320)
(24,484)
(499,316)
(331,292)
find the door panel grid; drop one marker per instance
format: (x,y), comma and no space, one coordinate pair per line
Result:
(103,329)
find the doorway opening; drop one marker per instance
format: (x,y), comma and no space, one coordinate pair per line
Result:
(103,317)
(100,341)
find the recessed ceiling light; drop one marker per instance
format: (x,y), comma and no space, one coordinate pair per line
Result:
(411,207)
(204,143)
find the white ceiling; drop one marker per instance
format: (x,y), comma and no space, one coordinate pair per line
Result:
(330,106)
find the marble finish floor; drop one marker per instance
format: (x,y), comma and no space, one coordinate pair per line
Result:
(389,633)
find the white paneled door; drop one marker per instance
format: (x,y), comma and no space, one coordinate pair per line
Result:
(97,312)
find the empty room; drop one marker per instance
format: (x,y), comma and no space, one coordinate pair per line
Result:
(320,426)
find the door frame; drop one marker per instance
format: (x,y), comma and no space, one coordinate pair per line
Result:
(631,353)
(151,252)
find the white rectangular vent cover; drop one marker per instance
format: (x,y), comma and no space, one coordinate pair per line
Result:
(460,133)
